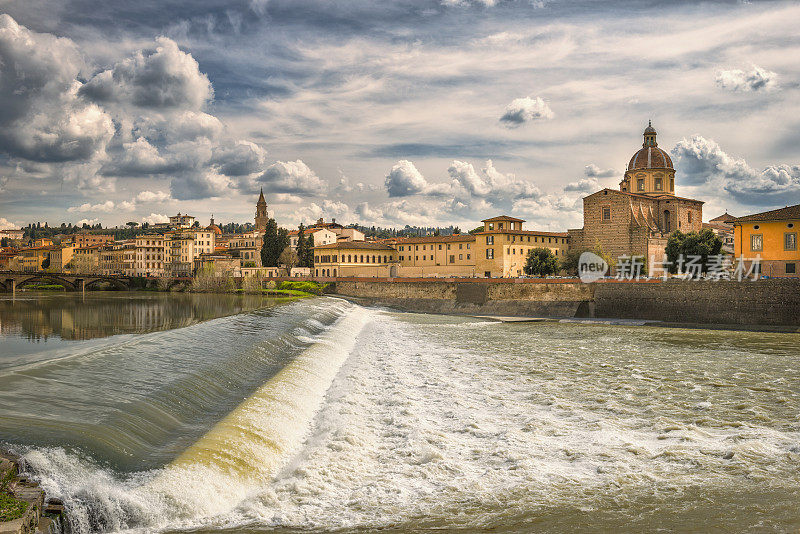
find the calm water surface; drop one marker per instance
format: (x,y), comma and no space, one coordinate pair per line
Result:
(221,413)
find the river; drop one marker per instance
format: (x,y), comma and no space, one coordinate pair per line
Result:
(222,413)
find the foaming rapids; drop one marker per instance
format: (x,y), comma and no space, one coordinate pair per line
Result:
(240,454)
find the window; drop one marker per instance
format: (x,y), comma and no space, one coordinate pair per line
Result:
(489,253)
(791,268)
(790,241)
(460,245)
(658,184)
(468,256)
(460,256)
(452,258)
(440,247)
(606,213)
(756,242)
(640,184)
(689,217)
(490,240)
(672,184)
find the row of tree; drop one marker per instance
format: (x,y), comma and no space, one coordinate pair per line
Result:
(276,249)
(704,244)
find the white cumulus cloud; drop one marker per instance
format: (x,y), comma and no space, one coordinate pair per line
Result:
(757,79)
(527,109)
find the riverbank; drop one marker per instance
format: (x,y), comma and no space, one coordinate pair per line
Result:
(24,508)
(763,305)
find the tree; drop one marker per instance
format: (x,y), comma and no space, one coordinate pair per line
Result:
(305,248)
(5,242)
(685,246)
(540,262)
(46,262)
(476,230)
(569,262)
(132,224)
(288,259)
(275,240)
(456,230)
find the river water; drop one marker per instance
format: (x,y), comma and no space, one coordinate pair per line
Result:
(218,413)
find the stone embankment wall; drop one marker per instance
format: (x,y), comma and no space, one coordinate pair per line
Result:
(761,302)
(764,302)
(474,297)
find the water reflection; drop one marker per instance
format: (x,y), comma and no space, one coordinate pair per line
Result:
(37,317)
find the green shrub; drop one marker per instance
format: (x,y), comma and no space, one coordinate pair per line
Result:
(315,288)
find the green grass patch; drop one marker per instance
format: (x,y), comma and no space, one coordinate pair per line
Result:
(315,288)
(43,287)
(11,508)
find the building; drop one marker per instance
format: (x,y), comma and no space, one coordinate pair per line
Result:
(30,260)
(181,221)
(12,234)
(355,258)
(85,260)
(436,256)
(772,236)
(84,239)
(60,256)
(118,259)
(246,247)
(150,255)
(261,217)
(183,246)
(636,221)
(319,236)
(501,249)
(722,227)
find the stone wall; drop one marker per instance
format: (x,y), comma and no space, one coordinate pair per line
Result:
(774,302)
(535,298)
(763,302)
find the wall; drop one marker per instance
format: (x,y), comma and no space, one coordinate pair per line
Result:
(764,302)
(527,297)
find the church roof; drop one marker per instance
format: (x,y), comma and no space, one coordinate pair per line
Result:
(650,156)
(261,197)
(782,214)
(724,218)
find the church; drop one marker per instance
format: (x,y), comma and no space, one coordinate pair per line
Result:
(637,219)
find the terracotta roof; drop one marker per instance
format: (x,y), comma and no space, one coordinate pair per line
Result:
(503,218)
(354,245)
(307,231)
(782,214)
(651,197)
(650,157)
(724,218)
(524,232)
(455,238)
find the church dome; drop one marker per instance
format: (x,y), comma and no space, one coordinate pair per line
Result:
(650,156)
(214,228)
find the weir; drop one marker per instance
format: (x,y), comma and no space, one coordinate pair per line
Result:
(252,443)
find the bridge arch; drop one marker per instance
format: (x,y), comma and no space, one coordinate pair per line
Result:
(69,286)
(115,282)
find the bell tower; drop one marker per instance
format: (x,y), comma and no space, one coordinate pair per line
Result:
(261,213)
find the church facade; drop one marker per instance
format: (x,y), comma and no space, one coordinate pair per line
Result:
(637,219)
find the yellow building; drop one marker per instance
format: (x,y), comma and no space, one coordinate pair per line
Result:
(29,260)
(436,256)
(182,247)
(501,249)
(118,259)
(60,257)
(85,260)
(772,236)
(355,258)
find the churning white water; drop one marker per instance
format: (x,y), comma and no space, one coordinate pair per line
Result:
(416,422)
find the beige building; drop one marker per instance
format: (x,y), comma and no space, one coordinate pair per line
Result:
(636,221)
(722,227)
(246,247)
(85,260)
(435,256)
(84,240)
(355,258)
(501,249)
(182,247)
(29,260)
(150,255)
(118,259)
(181,221)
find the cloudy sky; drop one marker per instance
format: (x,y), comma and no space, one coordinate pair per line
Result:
(388,112)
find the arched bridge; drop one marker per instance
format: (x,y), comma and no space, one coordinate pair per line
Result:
(10,281)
